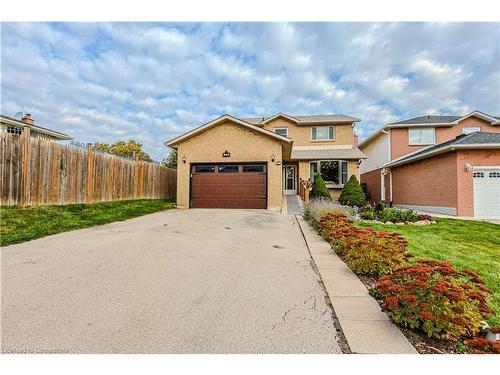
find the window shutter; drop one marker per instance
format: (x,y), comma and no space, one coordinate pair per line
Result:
(313,133)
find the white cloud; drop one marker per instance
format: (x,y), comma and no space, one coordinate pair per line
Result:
(150,82)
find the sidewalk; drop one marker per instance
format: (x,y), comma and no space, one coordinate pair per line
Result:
(367,329)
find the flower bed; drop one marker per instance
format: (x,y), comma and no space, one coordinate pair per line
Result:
(385,215)
(366,251)
(435,304)
(436,298)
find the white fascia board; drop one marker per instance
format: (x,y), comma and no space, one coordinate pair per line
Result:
(172,142)
(482,116)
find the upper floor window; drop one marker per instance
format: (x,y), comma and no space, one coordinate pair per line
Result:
(281,131)
(323,133)
(14,129)
(422,136)
(471,130)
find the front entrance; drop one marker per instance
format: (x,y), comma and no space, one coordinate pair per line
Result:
(289,180)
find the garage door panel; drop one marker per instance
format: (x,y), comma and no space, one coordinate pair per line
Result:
(229,190)
(487,193)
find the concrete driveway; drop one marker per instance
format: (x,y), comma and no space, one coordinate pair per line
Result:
(180,281)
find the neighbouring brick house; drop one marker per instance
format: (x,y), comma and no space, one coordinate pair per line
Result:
(440,164)
(15,126)
(252,162)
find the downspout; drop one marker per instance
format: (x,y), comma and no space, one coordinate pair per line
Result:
(390,188)
(388,170)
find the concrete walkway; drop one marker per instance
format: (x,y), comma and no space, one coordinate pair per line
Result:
(366,328)
(292,205)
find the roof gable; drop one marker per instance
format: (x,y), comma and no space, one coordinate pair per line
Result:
(278,115)
(173,142)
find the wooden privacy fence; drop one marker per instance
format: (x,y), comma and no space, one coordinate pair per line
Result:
(39,172)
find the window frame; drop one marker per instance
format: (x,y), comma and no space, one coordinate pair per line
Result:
(204,172)
(471,127)
(420,143)
(274,129)
(253,165)
(328,183)
(334,133)
(229,171)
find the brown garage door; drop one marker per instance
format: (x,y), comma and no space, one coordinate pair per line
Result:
(228,186)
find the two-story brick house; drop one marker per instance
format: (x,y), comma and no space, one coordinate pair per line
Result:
(252,162)
(442,164)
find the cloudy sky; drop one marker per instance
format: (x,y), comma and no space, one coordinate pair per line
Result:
(150,82)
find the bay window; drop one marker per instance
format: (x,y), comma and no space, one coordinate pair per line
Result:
(334,172)
(421,136)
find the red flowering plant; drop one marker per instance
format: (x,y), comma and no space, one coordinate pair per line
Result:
(377,253)
(366,251)
(482,346)
(337,230)
(435,297)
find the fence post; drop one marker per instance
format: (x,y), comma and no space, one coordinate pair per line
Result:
(90,173)
(136,180)
(25,165)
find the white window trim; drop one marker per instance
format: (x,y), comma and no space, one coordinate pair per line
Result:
(318,168)
(274,129)
(324,140)
(477,129)
(422,143)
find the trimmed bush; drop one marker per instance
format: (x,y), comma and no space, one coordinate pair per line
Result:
(368,215)
(436,298)
(379,208)
(352,194)
(319,189)
(399,216)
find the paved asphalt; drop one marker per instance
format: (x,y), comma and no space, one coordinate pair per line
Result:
(179,281)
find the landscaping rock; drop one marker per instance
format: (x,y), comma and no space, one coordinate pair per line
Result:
(389,223)
(420,222)
(400,223)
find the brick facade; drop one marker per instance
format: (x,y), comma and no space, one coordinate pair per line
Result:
(372,181)
(429,182)
(483,158)
(441,181)
(399,136)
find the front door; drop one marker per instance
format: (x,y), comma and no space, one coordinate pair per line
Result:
(289,180)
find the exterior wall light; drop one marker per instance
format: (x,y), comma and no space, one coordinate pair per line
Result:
(468,167)
(273,157)
(184,159)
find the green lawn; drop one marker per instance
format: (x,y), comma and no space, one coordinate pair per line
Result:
(24,224)
(465,244)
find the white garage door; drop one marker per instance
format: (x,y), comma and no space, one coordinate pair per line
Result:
(487,193)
